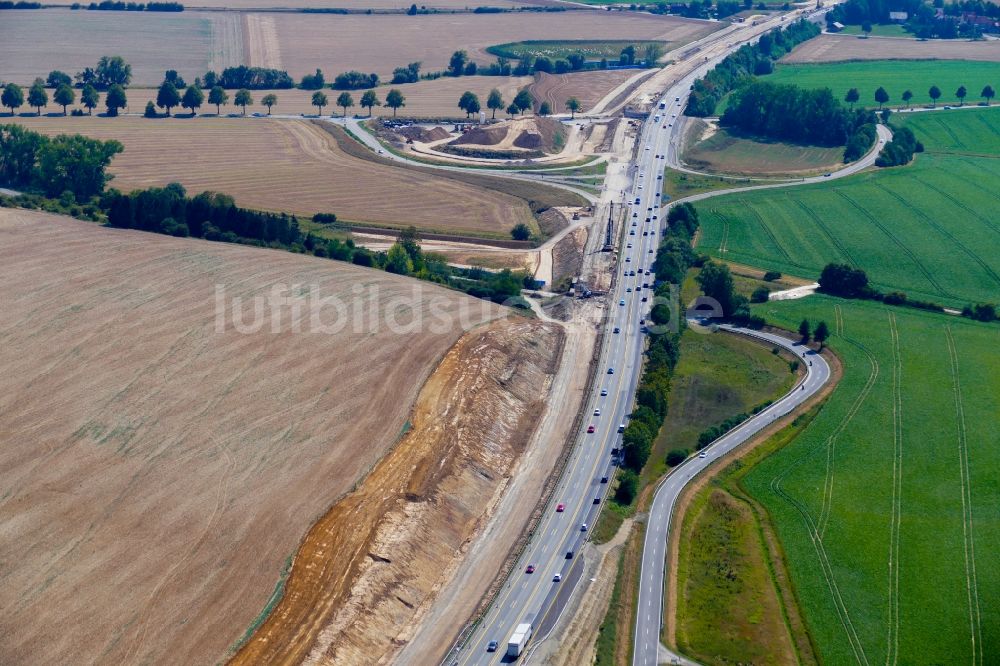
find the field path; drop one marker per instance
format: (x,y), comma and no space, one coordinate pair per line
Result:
(892,647)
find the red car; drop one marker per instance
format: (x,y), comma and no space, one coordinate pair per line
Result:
(560,508)
(590,429)
(530,569)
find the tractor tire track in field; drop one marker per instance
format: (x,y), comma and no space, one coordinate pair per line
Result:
(971,583)
(811,214)
(981,167)
(892,640)
(724,242)
(767,230)
(831,441)
(826,569)
(947,130)
(906,250)
(838,319)
(944,232)
(959,204)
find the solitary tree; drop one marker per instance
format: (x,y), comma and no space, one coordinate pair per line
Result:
(90,98)
(319,101)
(369,100)
(544,109)
(866,28)
(935,94)
(465,101)
(495,101)
(64,96)
(881,96)
(988,94)
(12,97)
(395,100)
(572,105)
(345,101)
(193,99)
(852,97)
(524,101)
(821,333)
(907,96)
(243,99)
(115,99)
(804,330)
(218,96)
(520,232)
(167,96)
(37,97)
(961,94)
(269,100)
(457,63)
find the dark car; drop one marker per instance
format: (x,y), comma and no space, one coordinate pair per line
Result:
(569,554)
(492,647)
(604,479)
(597,500)
(530,569)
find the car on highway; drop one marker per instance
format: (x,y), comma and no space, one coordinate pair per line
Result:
(583,527)
(617,330)
(530,569)
(628,290)
(660,177)
(604,391)
(647,147)
(628,260)
(640,187)
(492,647)
(591,429)
(621,302)
(632,274)
(645,299)
(628,246)
(557,578)
(597,500)
(611,371)
(631,232)
(702,454)
(560,508)
(569,554)
(604,479)
(827,175)
(597,412)
(621,427)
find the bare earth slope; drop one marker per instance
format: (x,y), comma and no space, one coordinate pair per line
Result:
(156,474)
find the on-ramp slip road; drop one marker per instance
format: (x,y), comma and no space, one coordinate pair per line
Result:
(650,608)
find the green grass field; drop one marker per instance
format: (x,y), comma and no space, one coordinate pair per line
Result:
(895,76)
(878,30)
(886,505)
(727,152)
(593,49)
(928,229)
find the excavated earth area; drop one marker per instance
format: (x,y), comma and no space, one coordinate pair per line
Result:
(369,569)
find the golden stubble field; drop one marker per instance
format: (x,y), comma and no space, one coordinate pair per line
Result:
(588,87)
(32,43)
(838,48)
(158,473)
(291,166)
(378,44)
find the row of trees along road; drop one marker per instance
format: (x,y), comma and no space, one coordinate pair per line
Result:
(469,102)
(853,96)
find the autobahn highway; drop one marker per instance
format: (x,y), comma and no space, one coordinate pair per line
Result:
(530,597)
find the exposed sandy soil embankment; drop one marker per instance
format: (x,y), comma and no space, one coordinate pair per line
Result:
(369,568)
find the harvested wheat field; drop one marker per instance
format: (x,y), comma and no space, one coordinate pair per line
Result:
(425,99)
(397,538)
(292,166)
(838,48)
(337,43)
(158,467)
(588,87)
(151,42)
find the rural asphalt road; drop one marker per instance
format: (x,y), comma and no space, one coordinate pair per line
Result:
(649,618)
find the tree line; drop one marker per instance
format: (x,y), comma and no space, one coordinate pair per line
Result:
(746,62)
(882,96)
(70,166)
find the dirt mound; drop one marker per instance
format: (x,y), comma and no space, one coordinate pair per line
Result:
(161,460)
(422,134)
(369,569)
(490,135)
(534,133)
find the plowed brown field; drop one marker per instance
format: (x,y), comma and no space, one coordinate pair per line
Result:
(837,48)
(292,166)
(157,472)
(337,43)
(588,87)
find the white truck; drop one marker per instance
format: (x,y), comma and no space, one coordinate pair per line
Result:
(520,638)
